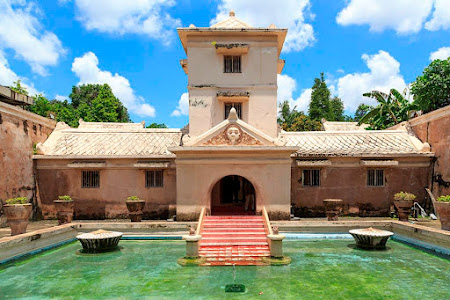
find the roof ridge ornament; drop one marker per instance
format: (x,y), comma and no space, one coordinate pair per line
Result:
(232,116)
(232,13)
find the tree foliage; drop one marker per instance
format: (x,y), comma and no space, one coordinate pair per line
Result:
(392,109)
(431,90)
(293,120)
(337,109)
(18,88)
(91,102)
(320,105)
(361,111)
(156,125)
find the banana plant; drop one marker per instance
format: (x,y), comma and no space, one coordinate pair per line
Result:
(392,109)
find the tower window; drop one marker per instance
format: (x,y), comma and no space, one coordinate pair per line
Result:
(232,64)
(237,107)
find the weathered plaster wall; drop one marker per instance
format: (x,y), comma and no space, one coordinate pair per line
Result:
(434,128)
(347,180)
(118,180)
(19,130)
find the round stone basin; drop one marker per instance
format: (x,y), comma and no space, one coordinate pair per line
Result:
(371,238)
(100,240)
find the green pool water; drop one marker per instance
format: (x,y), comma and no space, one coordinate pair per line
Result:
(324,269)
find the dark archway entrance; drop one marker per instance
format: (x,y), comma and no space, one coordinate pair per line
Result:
(233,195)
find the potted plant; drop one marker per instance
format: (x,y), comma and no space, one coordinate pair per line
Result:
(17,211)
(443,210)
(333,208)
(403,202)
(135,206)
(64,209)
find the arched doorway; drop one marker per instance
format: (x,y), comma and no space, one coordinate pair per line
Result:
(233,195)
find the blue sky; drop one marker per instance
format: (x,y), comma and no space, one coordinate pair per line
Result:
(360,45)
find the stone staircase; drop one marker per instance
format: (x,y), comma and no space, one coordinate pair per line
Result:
(228,240)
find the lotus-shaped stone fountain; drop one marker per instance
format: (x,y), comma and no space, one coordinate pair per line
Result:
(100,240)
(371,238)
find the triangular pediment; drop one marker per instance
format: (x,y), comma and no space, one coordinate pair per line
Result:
(232,132)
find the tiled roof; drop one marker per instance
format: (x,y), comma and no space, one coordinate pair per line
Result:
(343,126)
(352,143)
(110,140)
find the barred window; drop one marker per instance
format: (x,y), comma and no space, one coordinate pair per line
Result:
(232,64)
(237,106)
(311,177)
(90,179)
(375,177)
(154,178)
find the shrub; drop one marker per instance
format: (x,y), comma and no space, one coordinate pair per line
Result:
(133,198)
(65,198)
(404,196)
(443,198)
(18,200)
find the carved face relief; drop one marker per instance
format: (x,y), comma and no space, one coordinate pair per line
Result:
(233,134)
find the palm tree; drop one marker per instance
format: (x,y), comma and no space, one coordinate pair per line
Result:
(392,109)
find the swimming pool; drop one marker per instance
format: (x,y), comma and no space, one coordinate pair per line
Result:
(320,269)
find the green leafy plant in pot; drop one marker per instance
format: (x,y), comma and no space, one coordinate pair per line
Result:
(443,210)
(64,209)
(403,202)
(17,211)
(135,206)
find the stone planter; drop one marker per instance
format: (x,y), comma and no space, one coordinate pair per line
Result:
(403,209)
(371,238)
(443,210)
(64,211)
(135,208)
(17,216)
(333,208)
(100,240)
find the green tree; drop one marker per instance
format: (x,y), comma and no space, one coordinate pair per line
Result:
(156,125)
(431,90)
(392,109)
(18,88)
(97,103)
(303,122)
(320,105)
(91,102)
(337,109)
(361,111)
(286,115)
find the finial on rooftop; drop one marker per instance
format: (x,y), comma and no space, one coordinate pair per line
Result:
(272,26)
(232,116)
(232,14)
(192,26)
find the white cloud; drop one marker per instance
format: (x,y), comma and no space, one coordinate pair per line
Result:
(61,98)
(183,106)
(86,68)
(384,74)
(404,16)
(8,76)
(147,17)
(21,31)
(261,13)
(286,88)
(441,16)
(442,53)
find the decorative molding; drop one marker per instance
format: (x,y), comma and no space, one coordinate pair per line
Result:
(87,164)
(314,163)
(152,164)
(378,163)
(229,136)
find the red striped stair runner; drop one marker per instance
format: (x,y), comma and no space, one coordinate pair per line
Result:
(228,240)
